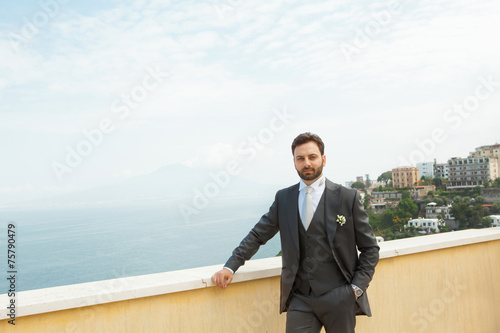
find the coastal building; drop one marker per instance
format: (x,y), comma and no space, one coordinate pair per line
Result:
(428,225)
(386,199)
(421,192)
(487,151)
(405,176)
(495,220)
(480,167)
(426,169)
(387,194)
(433,211)
(441,170)
(472,171)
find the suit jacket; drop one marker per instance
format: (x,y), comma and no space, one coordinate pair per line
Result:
(345,241)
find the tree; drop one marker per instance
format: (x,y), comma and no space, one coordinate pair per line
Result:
(461,212)
(477,190)
(425,181)
(457,199)
(366,201)
(479,199)
(486,221)
(368,181)
(495,209)
(476,216)
(467,215)
(496,182)
(439,201)
(407,208)
(405,194)
(486,211)
(466,199)
(387,218)
(358,185)
(396,219)
(438,182)
(385,177)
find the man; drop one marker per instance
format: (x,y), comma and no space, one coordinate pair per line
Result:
(322,226)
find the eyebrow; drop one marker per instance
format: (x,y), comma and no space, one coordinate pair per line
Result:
(313,154)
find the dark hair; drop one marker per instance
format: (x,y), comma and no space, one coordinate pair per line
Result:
(308,137)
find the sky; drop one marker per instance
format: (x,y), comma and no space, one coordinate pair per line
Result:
(95,93)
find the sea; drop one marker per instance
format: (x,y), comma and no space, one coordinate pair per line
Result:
(58,246)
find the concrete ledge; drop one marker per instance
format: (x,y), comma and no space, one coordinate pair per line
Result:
(107,291)
(91,293)
(437,241)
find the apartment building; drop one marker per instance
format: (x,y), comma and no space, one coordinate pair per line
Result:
(487,151)
(471,171)
(441,170)
(426,169)
(405,176)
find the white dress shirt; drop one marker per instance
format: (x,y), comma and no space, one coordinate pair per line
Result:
(318,189)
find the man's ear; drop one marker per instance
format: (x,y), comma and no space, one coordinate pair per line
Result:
(324,160)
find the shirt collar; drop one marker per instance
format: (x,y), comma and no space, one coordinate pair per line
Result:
(317,184)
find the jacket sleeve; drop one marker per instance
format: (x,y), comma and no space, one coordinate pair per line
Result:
(366,244)
(263,231)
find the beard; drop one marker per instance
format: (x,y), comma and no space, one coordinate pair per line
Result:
(315,173)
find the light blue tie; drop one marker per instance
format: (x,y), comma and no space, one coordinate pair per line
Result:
(307,207)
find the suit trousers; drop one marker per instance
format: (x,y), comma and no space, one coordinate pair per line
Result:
(335,310)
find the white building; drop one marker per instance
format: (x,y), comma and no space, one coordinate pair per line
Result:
(426,169)
(495,220)
(433,211)
(441,170)
(427,224)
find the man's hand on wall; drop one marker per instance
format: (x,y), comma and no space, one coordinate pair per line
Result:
(222,278)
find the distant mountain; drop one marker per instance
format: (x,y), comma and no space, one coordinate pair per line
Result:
(170,182)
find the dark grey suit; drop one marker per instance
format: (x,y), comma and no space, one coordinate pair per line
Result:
(345,241)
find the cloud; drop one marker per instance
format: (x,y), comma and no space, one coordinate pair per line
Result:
(226,73)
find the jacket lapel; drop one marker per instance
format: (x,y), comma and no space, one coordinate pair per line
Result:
(332,205)
(293,215)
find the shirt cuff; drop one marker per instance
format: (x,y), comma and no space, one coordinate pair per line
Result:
(229,269)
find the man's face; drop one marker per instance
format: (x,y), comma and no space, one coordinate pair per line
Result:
(308,162)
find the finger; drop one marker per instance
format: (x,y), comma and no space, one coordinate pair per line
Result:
(228,281)
(214,279)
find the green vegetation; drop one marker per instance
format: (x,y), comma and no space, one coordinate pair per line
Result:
(469,215)
(495,209)
(391,223)
(466,208)
(386,178)
(358,185)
